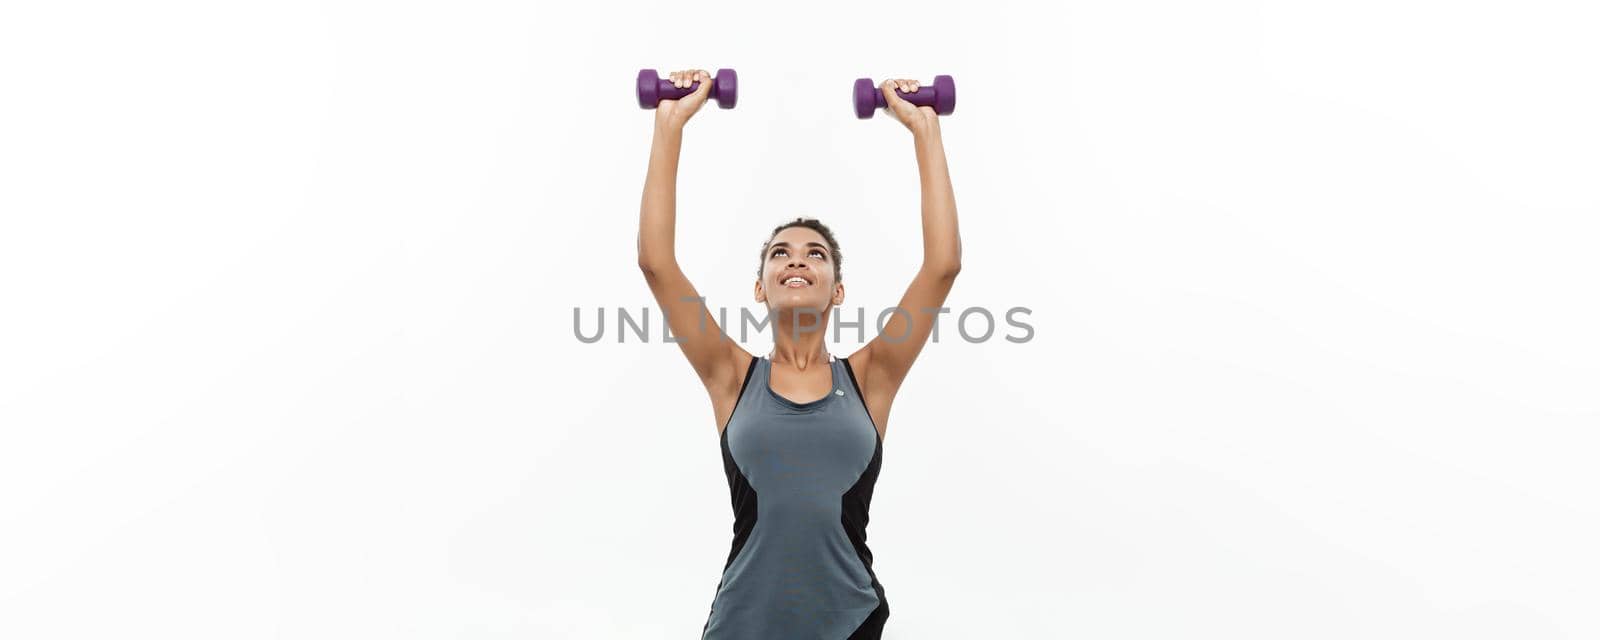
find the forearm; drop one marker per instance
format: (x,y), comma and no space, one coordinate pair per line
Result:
(941,239)
(658,207)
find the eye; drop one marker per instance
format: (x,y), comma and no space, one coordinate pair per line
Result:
(775,252)
(819,253)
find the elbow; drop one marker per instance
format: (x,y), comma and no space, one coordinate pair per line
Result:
(947,270)
(647,263)
(654,258)
(650,265)
(945,262)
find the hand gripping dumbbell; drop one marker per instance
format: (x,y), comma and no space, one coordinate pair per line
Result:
(652,89)
(941,96)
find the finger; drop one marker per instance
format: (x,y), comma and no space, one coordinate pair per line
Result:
(674,78)
(914,86)
(889,96)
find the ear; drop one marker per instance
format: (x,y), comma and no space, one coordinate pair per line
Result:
(838,293)
(761,294)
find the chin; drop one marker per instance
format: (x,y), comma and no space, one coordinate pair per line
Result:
(789,304)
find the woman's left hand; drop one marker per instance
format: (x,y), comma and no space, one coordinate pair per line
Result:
(918,119)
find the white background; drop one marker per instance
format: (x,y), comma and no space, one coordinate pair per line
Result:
(287,292)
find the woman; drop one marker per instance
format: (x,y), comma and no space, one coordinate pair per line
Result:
(802,432)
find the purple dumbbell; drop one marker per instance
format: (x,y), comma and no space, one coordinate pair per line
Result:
(652,89)
(941,96)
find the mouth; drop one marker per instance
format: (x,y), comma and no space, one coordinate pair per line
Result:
(796,282)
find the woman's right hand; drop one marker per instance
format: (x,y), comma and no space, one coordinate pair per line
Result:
(676,113)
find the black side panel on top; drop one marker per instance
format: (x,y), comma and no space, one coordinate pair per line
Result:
(742,494)
(854,507)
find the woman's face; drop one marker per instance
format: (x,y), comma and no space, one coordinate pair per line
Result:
(798,252)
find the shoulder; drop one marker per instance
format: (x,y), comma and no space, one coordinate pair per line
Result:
(726,389)
(876,389)
(859,364)
(868,368)
(738,367)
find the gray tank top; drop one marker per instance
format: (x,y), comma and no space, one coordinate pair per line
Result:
(800,475)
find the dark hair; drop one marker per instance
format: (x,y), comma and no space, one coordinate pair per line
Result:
(814,225)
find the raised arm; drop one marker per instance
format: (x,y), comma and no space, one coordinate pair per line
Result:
(712,356)
(888,357)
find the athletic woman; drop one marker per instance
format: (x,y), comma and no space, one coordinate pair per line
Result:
(801,431)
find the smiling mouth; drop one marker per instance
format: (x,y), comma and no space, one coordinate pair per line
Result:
(796,282)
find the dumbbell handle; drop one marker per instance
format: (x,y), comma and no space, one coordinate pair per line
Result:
(924,97)
(665,90)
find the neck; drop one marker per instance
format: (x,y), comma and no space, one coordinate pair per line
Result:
(798,337)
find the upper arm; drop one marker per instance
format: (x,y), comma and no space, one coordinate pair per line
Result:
(714,356)
(888,357)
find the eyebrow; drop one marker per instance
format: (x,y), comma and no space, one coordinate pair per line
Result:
(818,245)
